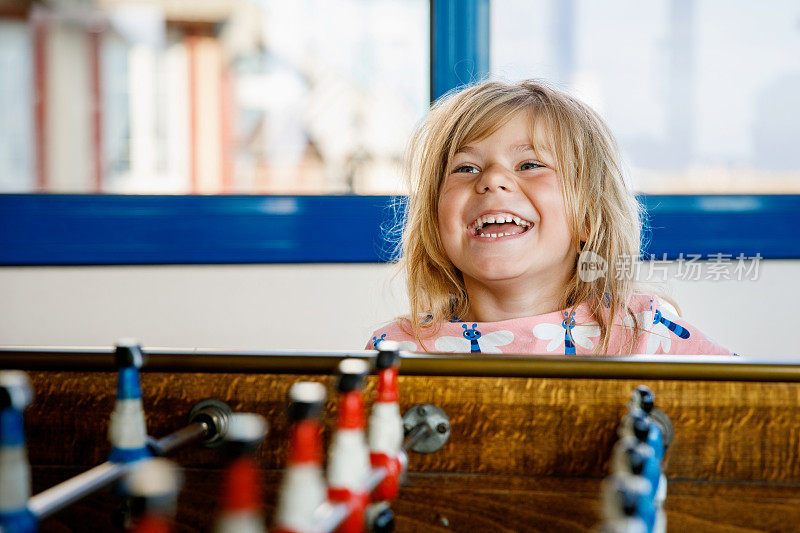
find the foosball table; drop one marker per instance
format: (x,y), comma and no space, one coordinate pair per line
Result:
(498,443)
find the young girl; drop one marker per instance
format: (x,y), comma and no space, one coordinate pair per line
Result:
(510,185)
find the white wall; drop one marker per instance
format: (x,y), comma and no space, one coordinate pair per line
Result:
(236,307)
(314,307)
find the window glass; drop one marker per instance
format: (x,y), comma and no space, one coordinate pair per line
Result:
(16,103)
(702,95)
(214,97)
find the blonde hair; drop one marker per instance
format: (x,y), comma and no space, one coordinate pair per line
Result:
(600,207)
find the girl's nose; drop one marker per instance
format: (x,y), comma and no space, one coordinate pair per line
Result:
(494,178)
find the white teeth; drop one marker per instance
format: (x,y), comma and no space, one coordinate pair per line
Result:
(495,235)
(499,219)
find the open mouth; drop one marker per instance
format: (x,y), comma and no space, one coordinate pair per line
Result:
(499,225)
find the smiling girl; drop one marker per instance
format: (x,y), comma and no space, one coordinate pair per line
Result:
(509,184)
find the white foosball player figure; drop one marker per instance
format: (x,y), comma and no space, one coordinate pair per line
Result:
(635,458)
(127,430)
(348,457)
(386,423)
(303,488)
(626,506)
(241,496)
(153,485)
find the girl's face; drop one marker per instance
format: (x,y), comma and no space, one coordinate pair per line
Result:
(501,178)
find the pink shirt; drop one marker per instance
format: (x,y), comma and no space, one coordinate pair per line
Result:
(561,333)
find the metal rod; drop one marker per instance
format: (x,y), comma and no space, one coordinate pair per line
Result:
(703,367)
(416,434)
(375,477)
(330,516)
(175,440)
(52,500)
(58,497)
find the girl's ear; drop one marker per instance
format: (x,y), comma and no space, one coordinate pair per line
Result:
(583,236)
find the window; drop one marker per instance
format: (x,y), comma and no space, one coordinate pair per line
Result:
(307,97)
(272,98)
(16,103)
(702,95)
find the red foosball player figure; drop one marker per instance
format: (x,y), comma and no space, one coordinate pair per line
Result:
(386,423)
(153,486)
(241,499)
(348,457)
(303,488)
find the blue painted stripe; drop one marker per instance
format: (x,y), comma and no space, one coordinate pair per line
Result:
(12,428)
(128,455)
(19,521)
(128,387)
(459,43)
(132,230)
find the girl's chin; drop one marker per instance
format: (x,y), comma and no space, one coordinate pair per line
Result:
(494,273)
(498,261)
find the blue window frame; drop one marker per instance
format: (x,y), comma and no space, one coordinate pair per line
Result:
(55,229)
(459,43)
(49,229)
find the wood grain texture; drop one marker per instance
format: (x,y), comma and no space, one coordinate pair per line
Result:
(526,454)
(725,431)
(486,503)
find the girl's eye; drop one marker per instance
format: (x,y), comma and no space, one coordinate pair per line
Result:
(530,165)
(465,168)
